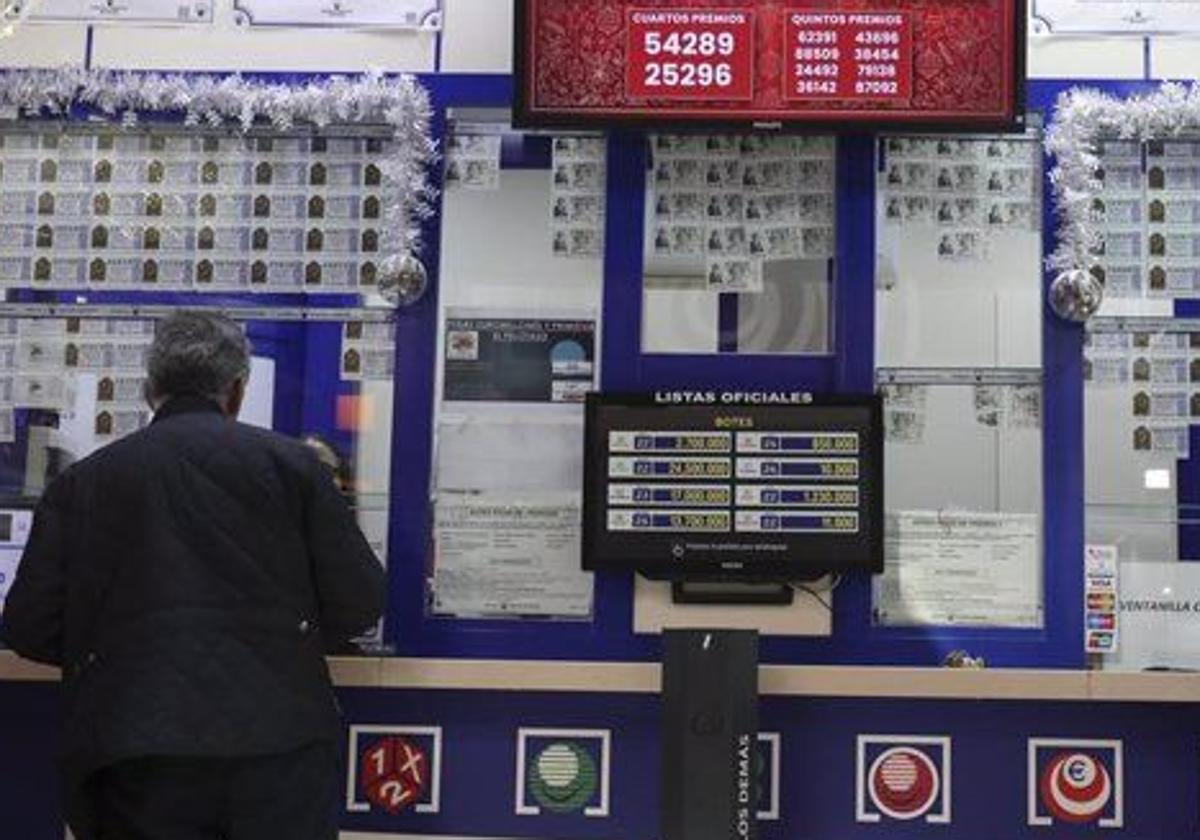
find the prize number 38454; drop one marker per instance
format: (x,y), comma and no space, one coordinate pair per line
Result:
(702,74)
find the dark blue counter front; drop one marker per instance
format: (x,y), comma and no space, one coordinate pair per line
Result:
(997,756)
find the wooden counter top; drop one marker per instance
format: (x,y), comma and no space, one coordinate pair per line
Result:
(776,680)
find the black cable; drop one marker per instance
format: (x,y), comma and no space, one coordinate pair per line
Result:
(816,594)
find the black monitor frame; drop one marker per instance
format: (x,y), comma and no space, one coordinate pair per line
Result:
(526,116)
(824,554)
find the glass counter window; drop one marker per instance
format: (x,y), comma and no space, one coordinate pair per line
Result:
(518,348)
(963,473)
(72,382)
(1142,422)
(740,241)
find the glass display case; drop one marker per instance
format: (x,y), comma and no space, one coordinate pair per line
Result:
(1142,396)
(518,348)
(740,234)
(107,229)
(958,348)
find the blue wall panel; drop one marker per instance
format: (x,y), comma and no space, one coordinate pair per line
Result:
(989,753)
(30,806)
(980,751)
(849,369)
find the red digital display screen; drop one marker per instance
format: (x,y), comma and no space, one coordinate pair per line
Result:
(840,63)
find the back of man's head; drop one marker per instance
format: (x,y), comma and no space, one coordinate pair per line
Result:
(198,354)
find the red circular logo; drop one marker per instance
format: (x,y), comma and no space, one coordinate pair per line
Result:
(395,774)
(904,783)
(1076,787)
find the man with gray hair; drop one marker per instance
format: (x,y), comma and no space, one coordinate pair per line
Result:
(189,580)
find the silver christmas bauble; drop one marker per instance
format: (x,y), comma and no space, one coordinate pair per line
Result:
(1076,295)
(404,281)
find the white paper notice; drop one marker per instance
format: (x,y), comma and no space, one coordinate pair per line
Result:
(504,555)
(961,569)
(492,453)
(258,409)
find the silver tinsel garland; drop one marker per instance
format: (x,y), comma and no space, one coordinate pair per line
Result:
(219,101)
(1082,119)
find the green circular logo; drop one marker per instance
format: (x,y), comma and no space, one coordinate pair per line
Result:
(562,777)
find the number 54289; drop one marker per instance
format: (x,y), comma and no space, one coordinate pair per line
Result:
(689,44)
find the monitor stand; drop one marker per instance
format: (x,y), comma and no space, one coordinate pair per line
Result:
(760,593)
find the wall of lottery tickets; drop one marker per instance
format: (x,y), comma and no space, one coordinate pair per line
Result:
(1147,213)
(40,360)
(1158,372)
(730,204)
(48,363)
(578,179)
(93,207)
(969,189)
(174,209)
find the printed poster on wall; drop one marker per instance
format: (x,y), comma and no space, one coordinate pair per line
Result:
(519,360)
(1141,17)
(961,569)
(394,14)
(368,351)
(214,213)
(579,177)
(1146,211)
(500,555)
(509,463)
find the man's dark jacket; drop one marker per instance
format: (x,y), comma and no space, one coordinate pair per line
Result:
(189,580)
